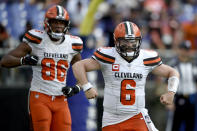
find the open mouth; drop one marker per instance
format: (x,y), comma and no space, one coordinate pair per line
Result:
(58,30)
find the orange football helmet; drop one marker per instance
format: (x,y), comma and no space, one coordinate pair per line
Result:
(129,33)
(58,13)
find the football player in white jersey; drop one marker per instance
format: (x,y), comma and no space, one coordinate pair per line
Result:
(125,68)
(50,53)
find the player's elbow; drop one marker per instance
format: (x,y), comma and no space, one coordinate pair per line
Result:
(4,62)
(175,73)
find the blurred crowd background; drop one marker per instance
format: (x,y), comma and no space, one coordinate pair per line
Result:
(164,24)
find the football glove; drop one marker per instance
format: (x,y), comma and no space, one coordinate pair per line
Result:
(71,90)
(29,60)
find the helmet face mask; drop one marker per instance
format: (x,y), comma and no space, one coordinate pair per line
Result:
(58,26)
(128,47)
(56,22)
(127,38)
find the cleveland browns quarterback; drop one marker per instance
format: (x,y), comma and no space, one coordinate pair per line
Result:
(125,68)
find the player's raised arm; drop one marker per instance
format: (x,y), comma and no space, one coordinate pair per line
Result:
(173,81)
(79,69)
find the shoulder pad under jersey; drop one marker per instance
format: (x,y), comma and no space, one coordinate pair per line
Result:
(77,43)
(33,36)
(151,58)
(105,55)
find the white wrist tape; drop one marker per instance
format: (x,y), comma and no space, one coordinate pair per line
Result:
(86,86)
(173,83)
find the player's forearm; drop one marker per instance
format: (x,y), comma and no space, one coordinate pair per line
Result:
(10,61)
(173,81)
(80,73)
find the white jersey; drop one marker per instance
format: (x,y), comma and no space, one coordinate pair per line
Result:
(49,76)
(124,94)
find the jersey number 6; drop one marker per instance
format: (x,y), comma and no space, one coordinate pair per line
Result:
(127,94)
(49,68)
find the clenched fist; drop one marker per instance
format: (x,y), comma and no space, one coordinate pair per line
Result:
(91,93)
(167,98)
(29,60)
(70,91)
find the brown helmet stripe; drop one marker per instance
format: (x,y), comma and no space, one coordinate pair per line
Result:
(57,10)
(131,28)
(128,28)
(60,11)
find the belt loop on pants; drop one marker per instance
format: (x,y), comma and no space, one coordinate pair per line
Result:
(53,98)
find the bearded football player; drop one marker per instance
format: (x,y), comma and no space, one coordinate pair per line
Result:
(125,68)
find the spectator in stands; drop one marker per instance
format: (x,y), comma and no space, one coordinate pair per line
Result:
(26,72)
(3,37)
(6,40)
(190,32)
(184,110)
(28,27)
(50,54)
(5,44)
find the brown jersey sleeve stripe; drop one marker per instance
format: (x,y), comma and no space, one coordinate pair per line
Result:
(32,38)
(153,64)
(152,61)
(77,46)
(104,58)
